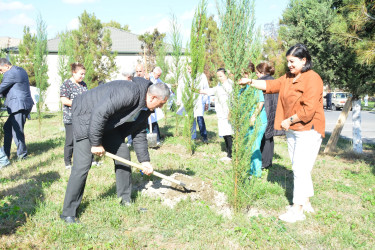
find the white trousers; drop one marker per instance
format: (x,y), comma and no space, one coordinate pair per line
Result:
(303,147)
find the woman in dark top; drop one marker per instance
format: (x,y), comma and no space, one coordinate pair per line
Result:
(264,71)
(69,90)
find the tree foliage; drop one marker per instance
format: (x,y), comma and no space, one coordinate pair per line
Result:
(41,66)
(196,63)
(177,52)
(274,50)
(239,44)
(160,60)
(354,26)
(212,53)
(91,45)
(117,25)
(150,44)
(65,55)
(309,22)
(177,62)
(26,54)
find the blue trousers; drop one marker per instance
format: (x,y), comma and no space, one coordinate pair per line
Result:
(202,128)
(14,128)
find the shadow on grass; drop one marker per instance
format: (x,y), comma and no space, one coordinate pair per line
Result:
(166,130)
(344,150)
(36,148)
(23,200)
(23,174)
(276,156)
(284,177)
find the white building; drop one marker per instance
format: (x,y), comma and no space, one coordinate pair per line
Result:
(129,53)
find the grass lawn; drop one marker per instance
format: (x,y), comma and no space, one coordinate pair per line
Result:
(32,193)
(370,105)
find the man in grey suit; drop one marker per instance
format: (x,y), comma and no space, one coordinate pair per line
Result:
(102,118)
(15,87)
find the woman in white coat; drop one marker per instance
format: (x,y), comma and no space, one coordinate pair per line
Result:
(222,93)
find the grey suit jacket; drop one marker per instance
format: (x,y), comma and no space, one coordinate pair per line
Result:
(16,88)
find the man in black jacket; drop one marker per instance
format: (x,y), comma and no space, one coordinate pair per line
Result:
(102,118)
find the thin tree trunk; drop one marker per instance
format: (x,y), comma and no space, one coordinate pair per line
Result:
(332,142)
(357,131)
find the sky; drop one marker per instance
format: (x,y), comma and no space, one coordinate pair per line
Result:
(141,16)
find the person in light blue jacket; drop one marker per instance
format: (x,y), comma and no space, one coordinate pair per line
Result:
(15,87)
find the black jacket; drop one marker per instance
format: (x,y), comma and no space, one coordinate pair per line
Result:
(113,105)
(270,104)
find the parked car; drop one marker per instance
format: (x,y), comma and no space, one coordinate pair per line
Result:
(338,100)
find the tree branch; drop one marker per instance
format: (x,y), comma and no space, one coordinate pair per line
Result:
(366,13)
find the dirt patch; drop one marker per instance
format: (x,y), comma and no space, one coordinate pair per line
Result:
(196,189)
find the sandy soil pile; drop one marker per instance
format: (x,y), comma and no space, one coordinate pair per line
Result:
(196,189)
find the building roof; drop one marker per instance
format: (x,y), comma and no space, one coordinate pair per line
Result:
(123,42)
(9,42)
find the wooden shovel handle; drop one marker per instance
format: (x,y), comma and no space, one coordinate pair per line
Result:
(139,166)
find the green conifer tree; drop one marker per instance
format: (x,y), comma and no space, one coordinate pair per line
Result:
(239,45)
(197,60)
(92,46)
(161,54)
(177,64)
(26,54)
(41,67)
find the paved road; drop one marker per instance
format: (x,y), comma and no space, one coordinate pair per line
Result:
(367,124)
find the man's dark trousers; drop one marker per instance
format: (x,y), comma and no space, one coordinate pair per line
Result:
(113,142)
(14,128)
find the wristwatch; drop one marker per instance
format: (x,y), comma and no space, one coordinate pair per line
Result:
(291,119)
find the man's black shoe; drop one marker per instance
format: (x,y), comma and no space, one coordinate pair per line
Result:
(22,158)
(69,219)
(125,203)
(205,141)
(266,168)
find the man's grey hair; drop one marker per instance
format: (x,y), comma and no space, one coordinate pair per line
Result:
(127,73)
(157,70)
(4,61)
(160,90)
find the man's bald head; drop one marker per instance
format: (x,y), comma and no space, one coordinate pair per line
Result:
(139,70)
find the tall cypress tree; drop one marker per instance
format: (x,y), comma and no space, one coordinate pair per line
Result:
(40,66)
(177,64)
(239,45)
(197,60)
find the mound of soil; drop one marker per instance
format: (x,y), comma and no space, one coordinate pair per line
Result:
(196,189)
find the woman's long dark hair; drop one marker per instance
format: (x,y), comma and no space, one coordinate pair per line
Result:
(299,50)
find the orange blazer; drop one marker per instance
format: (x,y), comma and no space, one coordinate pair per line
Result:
(303,97)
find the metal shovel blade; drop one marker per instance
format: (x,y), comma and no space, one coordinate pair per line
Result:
(152,140)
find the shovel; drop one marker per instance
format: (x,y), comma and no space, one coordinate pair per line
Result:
(120,159)
(151,137)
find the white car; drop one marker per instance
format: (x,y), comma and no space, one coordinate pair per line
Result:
(338,100)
